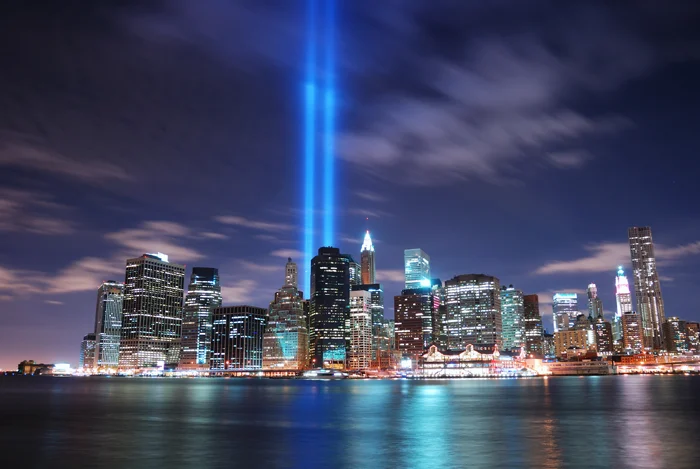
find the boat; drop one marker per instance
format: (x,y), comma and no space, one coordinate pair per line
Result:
(324,374)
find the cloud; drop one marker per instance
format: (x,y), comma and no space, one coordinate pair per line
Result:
(253,266)
(240,292)
(569,159)
(253,224)
(210,235)
(371,196)
(157,236)
(32,212)
(369,213)
(664,253)
(293,253)
(391,275)
(85,274)
(53,302)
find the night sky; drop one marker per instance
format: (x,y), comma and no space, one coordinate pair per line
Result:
(518,139)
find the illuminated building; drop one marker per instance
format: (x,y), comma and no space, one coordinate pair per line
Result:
(409,310)
(631,333)
(387,344)
(203,295)
(108,323)
(564,311)
(512,318)
(354,270)
(570,343)
(367,260)
(548,345)
(151,312)
(440,319)
(291,275)
(595,304)
(377,309)
(603,336)
(360,356)
(647,289)
(692,330)
(675,335)
(533,325)
(416,269)
(87,351)
(286,338)
(237,338)
(473,311)
(329,308)
(624,303)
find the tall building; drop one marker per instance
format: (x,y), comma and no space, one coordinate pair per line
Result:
(286,338)
(151,312)
(367,260)
(473,311)
(377,309)
(108,323)
(360,356)
(203,295)
(512,318)
(440,314)
(533,325)
(409,310)
(291,276)
(595,304)
(692,330)
(624,303)
(603,336)
(564,311)
(355,271)
(675,335)
(416,269)
(647,289)
(237,338)
(570,343)
(329,308)
(632,338)
(87,351)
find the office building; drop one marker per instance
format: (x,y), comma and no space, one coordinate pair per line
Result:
(367,261)
(632,338)
(416,269)
(473,311)
(203,296)
(355,271)
(440,306)
(286,338)
(564,310)
(360,356)
(548,345)
(623,298)
(329,308)
(409,310)
(512,318)
(647,289)
(108,323)
(570,343)
(603,336)
(595,304)
(151,312)
(291,274)
(675,335)
(692,330)
(237,338)
(87,351)
(377,310)
(533,326)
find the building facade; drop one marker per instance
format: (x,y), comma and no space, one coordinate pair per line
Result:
(595,304)
(473,304)
(286,338)
(151,312)
(367,261)
(570,343)
(647,289)
(603,336)
(291,274)
(512,318)
(108,323)
(675,335)
(376,293)
(360,357)
(237,338)
(632,338)
(564,310)
(533,326)
(416,269)
(203,296)
(623,299)
(87,351)
(409,310)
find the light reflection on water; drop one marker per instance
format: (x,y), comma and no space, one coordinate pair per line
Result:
(623,421)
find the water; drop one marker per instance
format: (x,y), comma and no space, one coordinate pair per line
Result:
(616,421)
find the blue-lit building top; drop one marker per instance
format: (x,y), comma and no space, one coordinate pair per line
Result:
(416,269)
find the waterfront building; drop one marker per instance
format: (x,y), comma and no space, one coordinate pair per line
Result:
(440,315)
(377,310)
(286,338)
(291,274)
(108,323)
(151,312)
(623,298)
(87,351)
(203,296)
(632,338)
(360,357)
(647,289)
(595,304)
(533,326)
(548,345)
(692,330)
(410,308)
(512,318)
(675,335)
(387,345)
(603,336)
(237,338)
(564,310)
(570,343)
(416,269)
(329,308)
(367,261)
(473,311)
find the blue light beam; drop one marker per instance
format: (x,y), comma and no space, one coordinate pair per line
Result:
(309,143)
(329,128)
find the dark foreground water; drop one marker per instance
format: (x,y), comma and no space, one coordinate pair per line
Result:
(620,421)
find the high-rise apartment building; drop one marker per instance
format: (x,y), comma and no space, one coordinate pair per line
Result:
(410,309)
(564,310)
(603,336)
(108,324)
(367,260)
(675,335)
(377,310)
(291,274)
(692,330)
(360,356)
(623,298)
(151,312)
(329,308)
(87,351)
(286,339)
(647,289)
(473,311)
(570,343)
(416,269)
(203,296)
(237,338)
(512,318)
(632,338)
(595,304)
(533,326)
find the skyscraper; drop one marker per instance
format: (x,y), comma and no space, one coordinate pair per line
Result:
(329,307)
(377,310)
(564,311)
(237,338)
(203,295)
(675,335)
(360,356)
(367,260)
(87,351)
(409,310)
(647,288)
(416,268)
(473,311)
(151,312)
(291,276)
(533,325)
(512,318)
(108,323)
(354,270)
(603,336)
(595,304)
(632,338)
(624,303)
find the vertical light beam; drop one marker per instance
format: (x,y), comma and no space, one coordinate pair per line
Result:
(309,142)
(329,127)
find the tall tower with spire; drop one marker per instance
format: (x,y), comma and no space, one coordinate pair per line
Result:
(291,274)
(367,260)
(624,303)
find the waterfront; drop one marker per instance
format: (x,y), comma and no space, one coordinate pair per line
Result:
(615,421)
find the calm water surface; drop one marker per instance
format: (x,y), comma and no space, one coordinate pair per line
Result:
(617,422)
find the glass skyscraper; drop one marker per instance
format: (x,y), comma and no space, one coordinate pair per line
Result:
(512,318)
(564,311)
(624,304)
(416,269)
(595,304)
(203,295)
(108,323)
(413,310)
(473,311)
(237,338)
(377,309)
(87,351)
(533,325)
(647,289)
(360,356)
